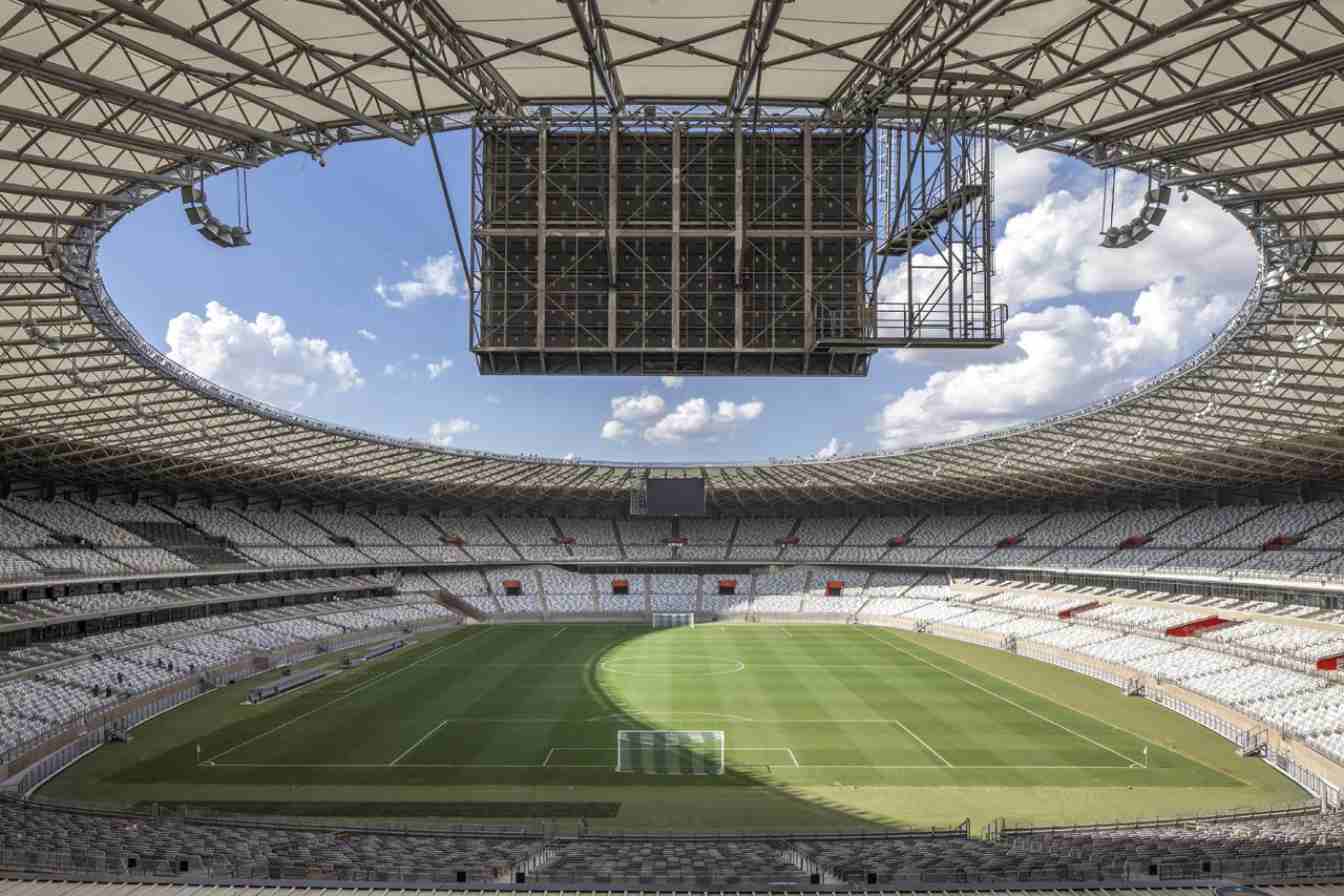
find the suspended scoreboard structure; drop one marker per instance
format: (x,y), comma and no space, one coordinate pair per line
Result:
(677,243)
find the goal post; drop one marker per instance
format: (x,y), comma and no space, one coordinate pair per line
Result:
(670,752)
(673,620)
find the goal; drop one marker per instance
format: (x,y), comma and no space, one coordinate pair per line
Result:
(670,752)
(671,620)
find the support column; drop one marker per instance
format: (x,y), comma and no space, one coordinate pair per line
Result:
(613,149)
(739,240)
(676,239)
(541,240)
(809,317)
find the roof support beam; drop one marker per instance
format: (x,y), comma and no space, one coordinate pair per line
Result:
(108,137)
(588,20)
(171,29)
(166,110)
(760,28)
(62,164)
(907,35)
(426,32)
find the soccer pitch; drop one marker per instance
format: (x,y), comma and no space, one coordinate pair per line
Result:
(822,726)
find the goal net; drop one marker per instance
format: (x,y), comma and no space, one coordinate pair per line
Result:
(671,620)
(670,752)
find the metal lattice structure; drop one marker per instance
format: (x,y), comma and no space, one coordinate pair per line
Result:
(106,104)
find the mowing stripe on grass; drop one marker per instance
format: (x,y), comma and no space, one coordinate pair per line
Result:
(1009,701)
(349,693)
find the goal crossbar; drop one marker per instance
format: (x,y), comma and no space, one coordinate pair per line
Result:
(670,752)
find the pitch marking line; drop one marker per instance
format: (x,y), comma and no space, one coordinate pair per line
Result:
(411,749)
(793,757)
(547,764)
(563,629)
(547,761)
(922,742)
(378,680)
(1009,701)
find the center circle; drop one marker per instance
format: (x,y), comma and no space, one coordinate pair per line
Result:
(684,666)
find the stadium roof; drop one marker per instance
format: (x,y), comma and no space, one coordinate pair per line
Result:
(106,103)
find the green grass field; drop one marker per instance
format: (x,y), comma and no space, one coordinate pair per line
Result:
(825,726)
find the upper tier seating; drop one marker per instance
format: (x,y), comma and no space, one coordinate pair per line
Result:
(1063,528)
(352,526)
(994,529)
(291,528)
(15,531)
(588,532)
(408,529)
(941,531)
(1123,525)
(761,530)
(644,532)
(1285,519)
(1204,524)
(523,530)
(474,530)
(71,519)
(226,524)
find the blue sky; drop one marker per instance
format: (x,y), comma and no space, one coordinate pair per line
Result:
(364,244)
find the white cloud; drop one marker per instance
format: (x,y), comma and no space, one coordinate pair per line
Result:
(442,432)
(1056,359)
(636,407)
(674,382)
(436,368)
(392,368)
(833,448)
(439,275)
(615,430)
(260,358)
(1021,178)
(492,398)
(365,334)
(1052,250)
(695,418)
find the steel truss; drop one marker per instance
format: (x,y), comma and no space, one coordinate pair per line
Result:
(670,242)
(104,106)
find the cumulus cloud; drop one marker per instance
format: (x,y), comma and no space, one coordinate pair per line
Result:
(437,276)
(833,448)
(443,432)
(365,334)
(615,430)
(435,369)
(674,382)
(696,419)
(1057,359)
(260,357)
(1020,178)
(636,407)
(1051,250)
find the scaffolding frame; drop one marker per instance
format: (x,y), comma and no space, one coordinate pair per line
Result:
(682,244)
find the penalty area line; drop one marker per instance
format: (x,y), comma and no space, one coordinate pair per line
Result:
(1060,725)
(369,684)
